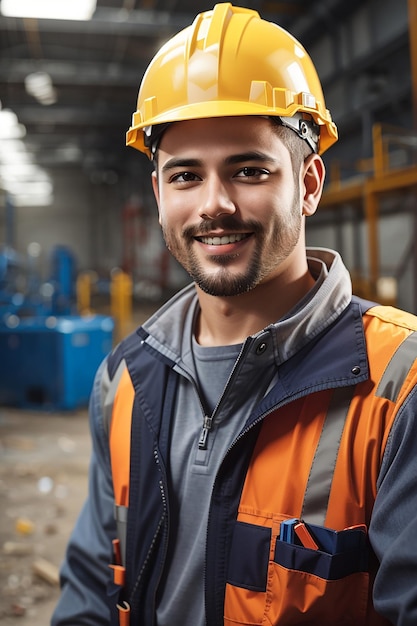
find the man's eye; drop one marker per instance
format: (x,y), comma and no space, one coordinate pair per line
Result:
(184,177)
(251,172)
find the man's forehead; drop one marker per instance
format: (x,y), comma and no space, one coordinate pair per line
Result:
(216,130)
(236,121)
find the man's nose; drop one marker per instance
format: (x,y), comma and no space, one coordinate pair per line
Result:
(216,199)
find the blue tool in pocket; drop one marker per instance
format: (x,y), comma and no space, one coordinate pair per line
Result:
(327,553)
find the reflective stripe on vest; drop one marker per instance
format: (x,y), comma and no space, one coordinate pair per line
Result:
(321,474)
(397,369)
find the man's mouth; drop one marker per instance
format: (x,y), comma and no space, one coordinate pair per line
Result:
(224,239)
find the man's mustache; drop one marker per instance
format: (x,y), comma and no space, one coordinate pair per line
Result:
(227,223)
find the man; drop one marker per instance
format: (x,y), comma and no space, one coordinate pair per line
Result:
(258,434)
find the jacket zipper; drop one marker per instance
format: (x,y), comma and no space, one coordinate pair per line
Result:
(209,420)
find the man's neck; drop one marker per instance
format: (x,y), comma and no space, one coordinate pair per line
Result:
(230,320)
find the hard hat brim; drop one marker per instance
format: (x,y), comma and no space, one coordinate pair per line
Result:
(135,135)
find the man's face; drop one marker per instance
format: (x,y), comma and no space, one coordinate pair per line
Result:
(229,203)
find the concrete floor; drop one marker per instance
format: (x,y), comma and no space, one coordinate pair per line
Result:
(43,482)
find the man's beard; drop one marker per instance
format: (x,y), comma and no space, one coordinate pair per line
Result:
(268,254)
(224,282)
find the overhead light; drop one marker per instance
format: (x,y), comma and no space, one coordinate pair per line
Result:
(19,172)
(14,151)
(31,199)
(10,128)
(24,182)
(27,187)
(49,9)
(39,85)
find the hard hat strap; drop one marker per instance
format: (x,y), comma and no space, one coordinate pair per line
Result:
(152,136)
(306,129)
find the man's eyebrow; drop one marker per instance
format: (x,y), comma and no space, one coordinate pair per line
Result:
(244,157)
(180,162)
(251,155)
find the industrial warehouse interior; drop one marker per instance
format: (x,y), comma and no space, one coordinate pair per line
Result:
(82,259)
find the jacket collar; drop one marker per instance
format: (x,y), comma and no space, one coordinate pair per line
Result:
(166,330)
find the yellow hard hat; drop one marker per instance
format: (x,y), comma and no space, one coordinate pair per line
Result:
(230,62)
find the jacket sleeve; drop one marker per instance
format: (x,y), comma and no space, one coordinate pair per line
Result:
(85,573)
(393,529)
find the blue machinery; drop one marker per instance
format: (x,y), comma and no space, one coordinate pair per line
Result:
(49,354)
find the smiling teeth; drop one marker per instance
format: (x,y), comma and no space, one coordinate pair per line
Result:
(220,241)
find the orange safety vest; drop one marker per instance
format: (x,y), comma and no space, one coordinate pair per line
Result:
(316,459)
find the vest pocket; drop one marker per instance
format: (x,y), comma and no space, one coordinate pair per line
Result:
(310,586)
(293,585)
(321,564)
(295,597)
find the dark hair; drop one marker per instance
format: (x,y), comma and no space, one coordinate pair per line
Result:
(298,148)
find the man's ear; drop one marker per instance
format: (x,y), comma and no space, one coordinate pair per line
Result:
(155,187)
(313,180)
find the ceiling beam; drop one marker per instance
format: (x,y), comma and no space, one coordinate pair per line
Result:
(66,116)
(14,71)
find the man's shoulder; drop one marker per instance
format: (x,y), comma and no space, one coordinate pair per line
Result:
(392,316)
(132,343)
